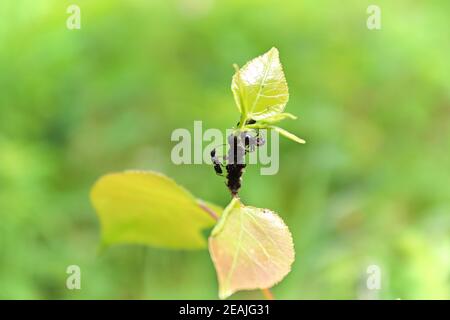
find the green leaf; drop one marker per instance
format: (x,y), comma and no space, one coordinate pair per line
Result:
(251,248)
(259,88)
(279,117)
(149,208)
(273,119)
(287,134)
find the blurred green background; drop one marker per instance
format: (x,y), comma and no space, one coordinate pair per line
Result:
(371,186)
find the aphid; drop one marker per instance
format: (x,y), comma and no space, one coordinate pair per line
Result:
(216,163)
(240,145)
(251,142)
(236,163)
(249,121)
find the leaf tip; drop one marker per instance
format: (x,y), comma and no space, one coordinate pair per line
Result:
(274,50)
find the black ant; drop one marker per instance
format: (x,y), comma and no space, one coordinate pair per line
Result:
(240,145)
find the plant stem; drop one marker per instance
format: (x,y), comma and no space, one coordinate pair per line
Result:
(210,211)
(242,121)
(266,292)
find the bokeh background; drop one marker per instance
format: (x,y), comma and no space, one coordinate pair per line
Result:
(371,186)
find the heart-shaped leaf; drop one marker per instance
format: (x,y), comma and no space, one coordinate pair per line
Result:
(259,88)
(149,208)
(251,248)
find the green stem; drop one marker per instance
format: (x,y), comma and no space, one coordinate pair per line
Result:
(242,120)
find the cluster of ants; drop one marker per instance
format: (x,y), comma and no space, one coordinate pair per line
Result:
(240,144)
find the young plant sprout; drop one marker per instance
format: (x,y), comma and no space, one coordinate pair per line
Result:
(251,248)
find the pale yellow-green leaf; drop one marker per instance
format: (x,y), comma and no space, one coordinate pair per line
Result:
(251,248)
(259,88)
(287,134)
(279,117)
(142,207)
